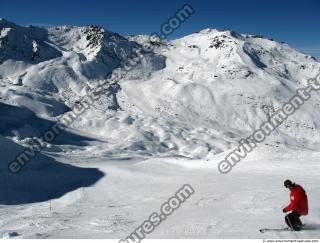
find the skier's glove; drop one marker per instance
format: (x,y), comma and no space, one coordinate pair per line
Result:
(284,210)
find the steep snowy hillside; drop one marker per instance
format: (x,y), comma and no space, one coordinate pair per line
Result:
(194,97)
(26,44)
(46,70)
(215,89)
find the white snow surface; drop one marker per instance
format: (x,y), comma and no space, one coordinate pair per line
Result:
(167,122)
(236,205)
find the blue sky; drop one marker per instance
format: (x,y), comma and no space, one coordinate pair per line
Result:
(295,22)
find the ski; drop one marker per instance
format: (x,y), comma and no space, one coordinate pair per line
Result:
(275,230)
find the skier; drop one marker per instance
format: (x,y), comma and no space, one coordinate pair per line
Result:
(298,205)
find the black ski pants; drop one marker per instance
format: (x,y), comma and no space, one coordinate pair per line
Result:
(293,221)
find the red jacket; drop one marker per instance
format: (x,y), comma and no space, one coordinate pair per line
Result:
(298,201)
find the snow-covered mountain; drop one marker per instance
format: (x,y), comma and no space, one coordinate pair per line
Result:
(193,97)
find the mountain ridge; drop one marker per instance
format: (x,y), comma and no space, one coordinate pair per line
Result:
(194,96)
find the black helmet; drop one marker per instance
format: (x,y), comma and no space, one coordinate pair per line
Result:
(288,183)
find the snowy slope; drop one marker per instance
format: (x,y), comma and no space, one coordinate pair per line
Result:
(43,179)
(194,97)
(69,58)
(216,88)
(223,206)
(189,101)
